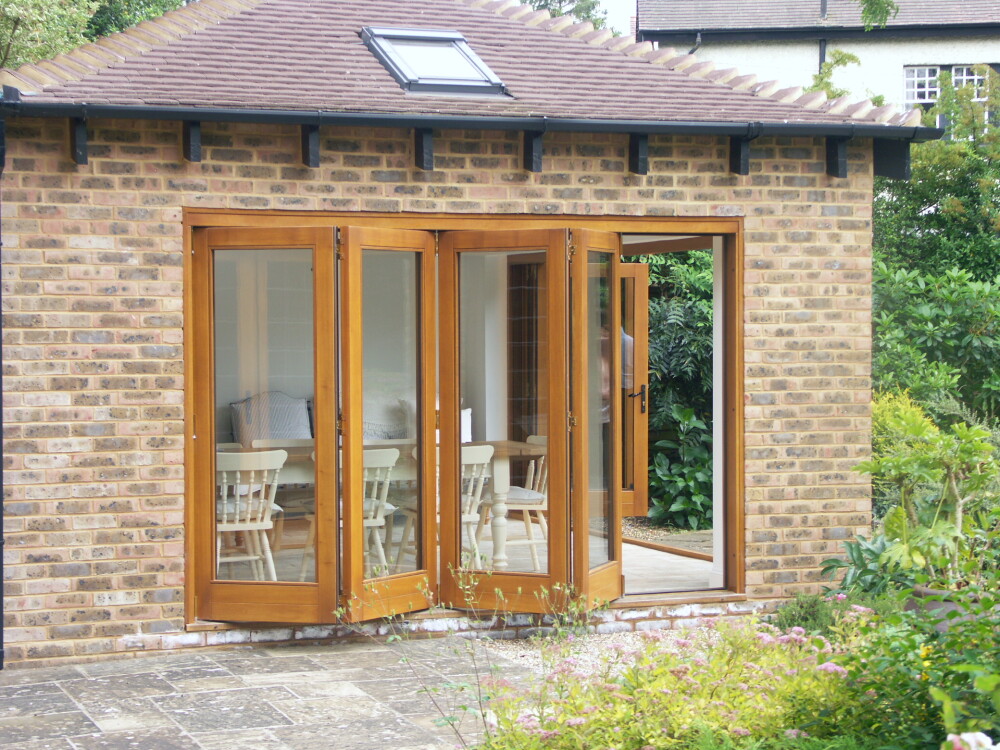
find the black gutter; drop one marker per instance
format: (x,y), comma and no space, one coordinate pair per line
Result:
(27,108)
(681,37)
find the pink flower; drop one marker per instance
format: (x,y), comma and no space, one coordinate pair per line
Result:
(741,732)
(795,733)
(861,610)
(797,631)
(575,721)
(840,597)
(832,668)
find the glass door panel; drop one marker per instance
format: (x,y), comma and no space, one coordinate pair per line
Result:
(503,417)
(262,412)
(635,388)
(389,454)
(597,342)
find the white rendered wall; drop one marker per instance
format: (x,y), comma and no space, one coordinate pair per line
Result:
(882,61)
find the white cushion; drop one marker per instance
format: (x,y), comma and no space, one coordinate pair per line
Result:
(523,495)
(271,415)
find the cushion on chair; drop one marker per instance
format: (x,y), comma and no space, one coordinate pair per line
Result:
(271,415)
(523,495)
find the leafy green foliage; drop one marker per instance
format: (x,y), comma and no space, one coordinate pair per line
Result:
(33,30)
(823,81)
(741,685)
(581,10)
(681,488)
(863,568)
(680,388)
(937,336)
(821,614)
(118,15)
(875,13)
(922,673)
(948,215)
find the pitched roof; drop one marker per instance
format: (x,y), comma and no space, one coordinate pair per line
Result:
(307,57)
(716,15)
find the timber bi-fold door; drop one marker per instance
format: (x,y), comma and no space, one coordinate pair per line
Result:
(313,455)
(528,515)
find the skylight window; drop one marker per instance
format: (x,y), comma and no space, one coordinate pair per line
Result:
(431,60)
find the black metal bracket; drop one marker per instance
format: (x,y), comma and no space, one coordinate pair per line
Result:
(78,139)
(192,140)
(423,147)
(836,156)
(310,145)
(638,153)
(892,158)
(532,152)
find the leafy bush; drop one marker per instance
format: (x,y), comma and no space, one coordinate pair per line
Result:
(680,477)
(740,683)
(920,675)
(821,614)
(937,336)
(680,388)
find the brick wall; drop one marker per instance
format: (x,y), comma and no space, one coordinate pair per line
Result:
(92,327)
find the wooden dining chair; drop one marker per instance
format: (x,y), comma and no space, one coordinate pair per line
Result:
(475,470)
(377,465)
(297,501)
(246,484)
(532,502)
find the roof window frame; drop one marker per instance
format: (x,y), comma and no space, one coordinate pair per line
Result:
(379,40)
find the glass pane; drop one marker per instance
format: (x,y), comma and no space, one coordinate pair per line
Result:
(503,370)
(628,367)
(390,383)
(434,59)
(265,476)
(599,342)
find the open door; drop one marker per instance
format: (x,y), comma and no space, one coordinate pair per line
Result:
(595,382)
(635,388)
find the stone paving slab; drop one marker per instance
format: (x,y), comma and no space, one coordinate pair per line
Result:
(358,696)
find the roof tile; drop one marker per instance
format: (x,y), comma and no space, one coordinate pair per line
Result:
(307,55)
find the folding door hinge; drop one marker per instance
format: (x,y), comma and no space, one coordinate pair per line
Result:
(336,243)
(437,242)
(437,419)
(571,417)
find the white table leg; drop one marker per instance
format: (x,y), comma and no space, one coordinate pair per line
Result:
(498,511)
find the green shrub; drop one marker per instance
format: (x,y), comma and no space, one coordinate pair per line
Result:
(680,477)
(821,614)
(739,683)
(920,675)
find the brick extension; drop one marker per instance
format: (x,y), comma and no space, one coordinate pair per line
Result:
(92,339)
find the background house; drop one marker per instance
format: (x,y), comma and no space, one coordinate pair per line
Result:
(168,193)
(788,40)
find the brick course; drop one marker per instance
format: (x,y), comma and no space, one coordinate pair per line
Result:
(92,335)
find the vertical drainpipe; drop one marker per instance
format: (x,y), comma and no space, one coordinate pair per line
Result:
(822,42)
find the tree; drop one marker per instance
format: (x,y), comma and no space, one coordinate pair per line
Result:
(36,29)
(118,15)
(33,30)
(582,10)
(948,215)
(877,12)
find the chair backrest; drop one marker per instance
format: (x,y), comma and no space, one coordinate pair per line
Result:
(377,464)
(475,469)
(247,483)
(537,478)
(270,415)
(228,447)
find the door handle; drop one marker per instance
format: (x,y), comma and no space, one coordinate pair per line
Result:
(641,393)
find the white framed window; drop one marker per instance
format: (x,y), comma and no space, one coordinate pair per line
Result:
(922,87)
(966,75)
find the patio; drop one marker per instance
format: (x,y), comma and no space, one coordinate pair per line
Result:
(350,696)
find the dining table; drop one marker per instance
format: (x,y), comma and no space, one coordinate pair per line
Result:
(299,469)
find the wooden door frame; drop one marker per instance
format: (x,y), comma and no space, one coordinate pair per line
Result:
(195,346)
(635,303)
(284,601)
(520,591)
(361,598)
